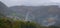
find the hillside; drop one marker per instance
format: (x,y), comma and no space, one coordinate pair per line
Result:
(33,13)
(3,8)
(36,13)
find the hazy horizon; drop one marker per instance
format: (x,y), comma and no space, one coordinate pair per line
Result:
(30,2)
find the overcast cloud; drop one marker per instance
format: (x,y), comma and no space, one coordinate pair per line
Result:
(30,2)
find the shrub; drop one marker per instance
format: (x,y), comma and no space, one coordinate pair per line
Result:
(7,23)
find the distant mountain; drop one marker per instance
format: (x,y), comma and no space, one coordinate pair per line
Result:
(33,13)
(3,8)
(36,13)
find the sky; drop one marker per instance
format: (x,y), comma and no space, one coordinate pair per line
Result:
(30,2)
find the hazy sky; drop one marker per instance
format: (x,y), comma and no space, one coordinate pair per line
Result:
(29,2)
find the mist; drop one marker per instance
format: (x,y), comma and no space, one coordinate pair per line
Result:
(30,2)
(35,12)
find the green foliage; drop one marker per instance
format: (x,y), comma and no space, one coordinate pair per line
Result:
(7,23)
(10,23)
